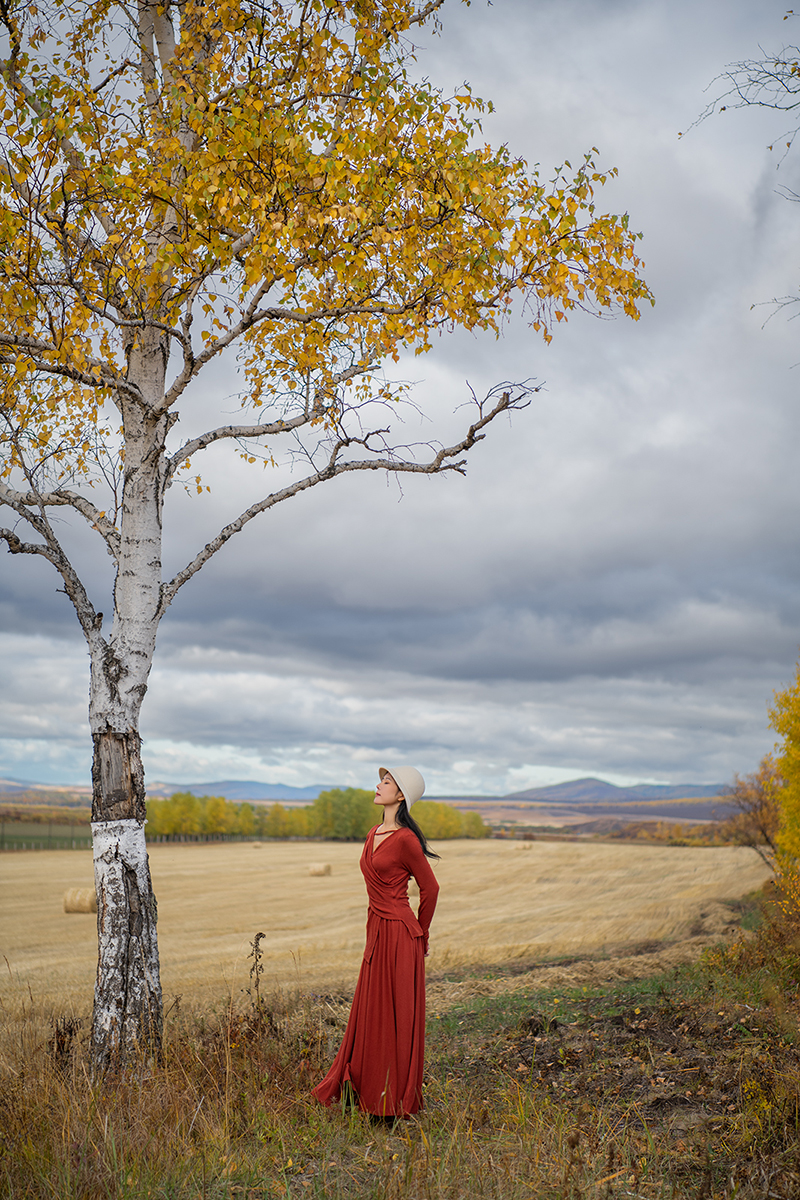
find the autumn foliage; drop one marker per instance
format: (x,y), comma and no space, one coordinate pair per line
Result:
(282,182)
(339,814)
(785,720)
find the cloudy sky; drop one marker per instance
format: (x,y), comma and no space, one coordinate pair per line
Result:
(613,589)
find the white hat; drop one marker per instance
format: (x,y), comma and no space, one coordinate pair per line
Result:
(408,779)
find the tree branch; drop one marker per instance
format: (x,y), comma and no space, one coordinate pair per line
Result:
(106,376)
(16,546)
(9,72)
(97,519)
(90,620)
(233,431)
(245,432)
(437,465)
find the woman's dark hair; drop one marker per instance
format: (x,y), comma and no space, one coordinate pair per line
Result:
(404,818)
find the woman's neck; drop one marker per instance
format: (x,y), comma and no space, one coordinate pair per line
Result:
(390,817)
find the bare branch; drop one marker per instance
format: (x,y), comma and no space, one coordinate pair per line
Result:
(128,62)
(16,546)
(440,463)
(51,549)
(61,497)
(233,431)
(246,432)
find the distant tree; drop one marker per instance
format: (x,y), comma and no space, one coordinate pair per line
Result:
(280,822)
(474,826)
(219,815)
(185,814)
(438,820)
(757,803)
(180,180)
(245,820)
(344,814)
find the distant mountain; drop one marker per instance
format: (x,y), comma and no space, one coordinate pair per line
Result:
(240,789)
(9,785)
(593,791)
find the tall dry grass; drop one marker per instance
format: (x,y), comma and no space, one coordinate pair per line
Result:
(227,1113)
(552,1096)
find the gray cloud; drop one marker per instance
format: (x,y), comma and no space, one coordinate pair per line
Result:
(614,587)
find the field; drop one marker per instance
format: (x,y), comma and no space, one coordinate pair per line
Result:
(501,902)
(646,1072)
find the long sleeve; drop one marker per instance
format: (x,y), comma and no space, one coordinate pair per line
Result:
(417,864)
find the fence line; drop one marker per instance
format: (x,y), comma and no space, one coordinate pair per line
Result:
(57,841)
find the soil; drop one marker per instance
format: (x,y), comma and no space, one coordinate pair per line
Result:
(709,1083)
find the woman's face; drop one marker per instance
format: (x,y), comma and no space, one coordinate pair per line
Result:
(387,791)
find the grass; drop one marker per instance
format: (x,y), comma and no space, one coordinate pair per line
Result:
(684,1084)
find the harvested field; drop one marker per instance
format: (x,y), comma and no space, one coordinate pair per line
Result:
(502,902)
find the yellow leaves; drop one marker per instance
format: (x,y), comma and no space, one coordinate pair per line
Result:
(368,209)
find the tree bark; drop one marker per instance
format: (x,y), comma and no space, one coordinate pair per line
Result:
(127,1017)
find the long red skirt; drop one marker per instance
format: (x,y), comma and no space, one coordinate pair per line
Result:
(382,1054)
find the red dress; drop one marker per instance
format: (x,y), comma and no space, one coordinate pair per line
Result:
(382,1054)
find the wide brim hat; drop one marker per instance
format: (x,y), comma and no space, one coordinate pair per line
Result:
(408,779)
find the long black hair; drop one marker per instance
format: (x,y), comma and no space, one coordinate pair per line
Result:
(404,818)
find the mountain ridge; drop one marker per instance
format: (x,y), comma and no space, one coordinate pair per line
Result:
(587,791)
(592,791)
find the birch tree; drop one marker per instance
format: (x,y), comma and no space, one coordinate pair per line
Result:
(268,181)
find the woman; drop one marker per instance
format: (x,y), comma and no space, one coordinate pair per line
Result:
(381,1057)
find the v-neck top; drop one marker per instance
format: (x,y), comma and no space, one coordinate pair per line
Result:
(386,873)
(383,836)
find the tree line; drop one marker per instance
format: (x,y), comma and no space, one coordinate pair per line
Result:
(339,814)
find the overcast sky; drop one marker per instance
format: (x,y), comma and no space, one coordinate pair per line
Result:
(613,588)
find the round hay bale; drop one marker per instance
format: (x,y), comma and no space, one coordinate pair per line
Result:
(82,900)
(319,868)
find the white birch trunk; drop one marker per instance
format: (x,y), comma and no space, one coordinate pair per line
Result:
(127,1014)
(127,995)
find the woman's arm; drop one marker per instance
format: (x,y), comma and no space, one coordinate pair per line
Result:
(417,865)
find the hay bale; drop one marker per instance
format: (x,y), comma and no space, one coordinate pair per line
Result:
(319,868)
(82,900)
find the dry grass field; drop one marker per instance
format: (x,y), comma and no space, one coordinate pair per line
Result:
(500,900)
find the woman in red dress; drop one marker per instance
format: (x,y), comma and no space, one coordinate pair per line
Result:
(382,1055)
